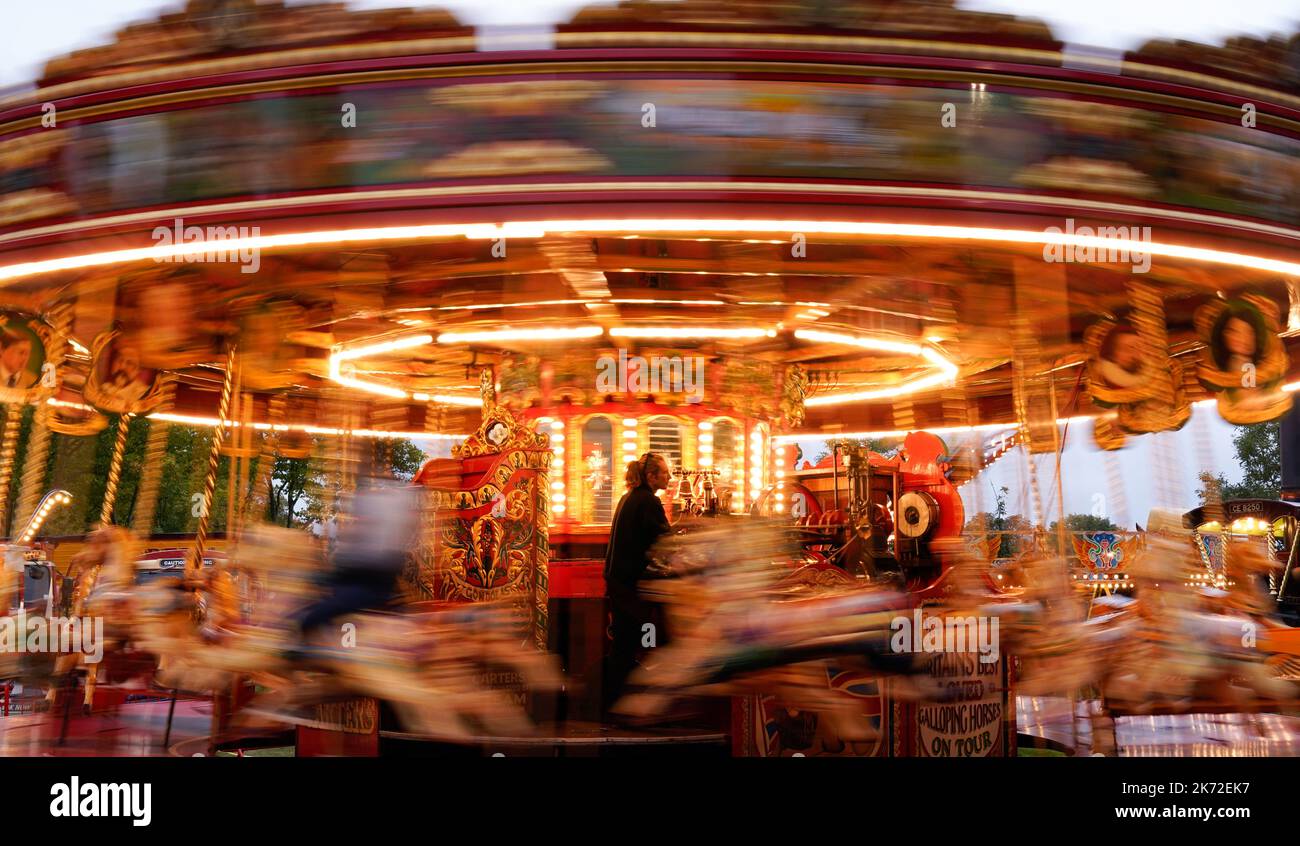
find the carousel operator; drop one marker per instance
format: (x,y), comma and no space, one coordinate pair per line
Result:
(639,521)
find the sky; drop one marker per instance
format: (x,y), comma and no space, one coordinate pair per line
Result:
(1150,471)
(36,32)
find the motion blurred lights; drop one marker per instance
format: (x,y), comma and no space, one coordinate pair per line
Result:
(453,399)
(705,441)
(946,371)
(195,420)
(339,355)
(689,226)
(756,463)
(497,335)
(560,498)
(381,348)
(48,503)
(629,439)
(720,332)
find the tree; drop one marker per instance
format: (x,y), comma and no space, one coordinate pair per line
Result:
(294,497)
(1079,523)
(1012,527)
(1085,523)
(884,446)
(1258,453)
(287,486)
(402,457)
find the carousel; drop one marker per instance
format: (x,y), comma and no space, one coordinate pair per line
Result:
(222,262)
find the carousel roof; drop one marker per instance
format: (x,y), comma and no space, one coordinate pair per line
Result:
(903,293)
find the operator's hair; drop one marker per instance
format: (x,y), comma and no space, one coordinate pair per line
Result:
(635,476)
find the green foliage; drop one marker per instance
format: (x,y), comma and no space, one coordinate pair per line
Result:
(24,431)
(884,446)
(1079,523)
(313,493)
(296,494)
(1084,523)
(1258,452)
(404,457)
(1015,528)
(185,464)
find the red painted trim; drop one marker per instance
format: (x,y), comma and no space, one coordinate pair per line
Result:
(737,203)
(617,56)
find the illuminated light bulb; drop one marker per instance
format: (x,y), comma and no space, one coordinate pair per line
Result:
(557,425)
(630,423)
(705,426)
(557,486)
(558,508)
(558,498)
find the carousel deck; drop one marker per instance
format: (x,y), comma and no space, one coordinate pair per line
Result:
(137,730)
(1161,735)
(134,730)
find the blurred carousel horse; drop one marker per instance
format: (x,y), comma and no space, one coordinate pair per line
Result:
(1168,648)
(103,576)
(428,666)
(740,625)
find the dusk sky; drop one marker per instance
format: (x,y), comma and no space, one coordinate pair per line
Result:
(1152,475)
(35,32)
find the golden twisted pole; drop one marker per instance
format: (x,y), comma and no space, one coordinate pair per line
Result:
(115,468)
(214,457)
(266,461)
(9,445)
(33,478)
(31,488)
(1148,319)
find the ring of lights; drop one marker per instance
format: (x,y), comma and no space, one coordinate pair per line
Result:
(943,371)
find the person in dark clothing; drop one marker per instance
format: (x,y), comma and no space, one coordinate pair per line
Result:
(639,521)
(380,528)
